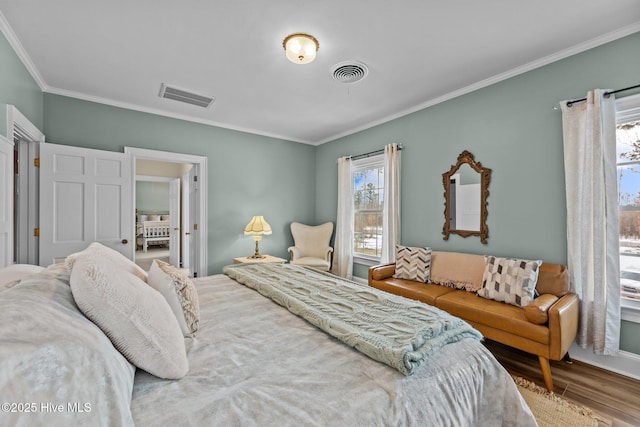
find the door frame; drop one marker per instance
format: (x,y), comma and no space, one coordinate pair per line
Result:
(202,216)
(18,124)
(6,205)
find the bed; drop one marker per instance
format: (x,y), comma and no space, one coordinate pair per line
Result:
(251,363)
(152,229)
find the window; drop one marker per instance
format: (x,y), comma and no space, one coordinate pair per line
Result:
(628,169)
(368,197)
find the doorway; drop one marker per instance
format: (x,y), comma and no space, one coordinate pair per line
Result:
(183,226)
(26,138)
(159,210)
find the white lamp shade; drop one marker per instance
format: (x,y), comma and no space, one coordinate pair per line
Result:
(257,227)
(300,48)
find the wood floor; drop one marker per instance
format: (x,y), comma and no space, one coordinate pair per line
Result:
(611,396)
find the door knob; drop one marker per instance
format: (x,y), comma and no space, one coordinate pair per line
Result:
(187,233)
(125,241)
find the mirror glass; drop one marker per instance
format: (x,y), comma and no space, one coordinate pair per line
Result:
(464,199)
(466,190)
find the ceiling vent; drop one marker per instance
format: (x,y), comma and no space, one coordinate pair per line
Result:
(181,95)
(349,72)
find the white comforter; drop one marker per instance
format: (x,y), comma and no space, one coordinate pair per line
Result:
(252,364)
(56,367)
(255,364)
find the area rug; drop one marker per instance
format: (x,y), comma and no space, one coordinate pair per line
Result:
(550,410)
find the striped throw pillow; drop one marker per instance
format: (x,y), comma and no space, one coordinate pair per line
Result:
(413,263)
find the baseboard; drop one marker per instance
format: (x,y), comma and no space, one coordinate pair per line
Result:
(625,363)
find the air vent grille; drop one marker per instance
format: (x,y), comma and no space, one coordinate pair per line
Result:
(349,71)
(187,97)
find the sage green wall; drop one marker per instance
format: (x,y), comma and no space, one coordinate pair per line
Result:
(510,127)
(17,88)
(248,174)
(152,196)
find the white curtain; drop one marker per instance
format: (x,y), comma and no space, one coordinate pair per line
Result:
(592,218)
(343,244)
(391,205)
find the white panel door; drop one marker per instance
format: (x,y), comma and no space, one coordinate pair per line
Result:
(174,222)
(6,202)
(85,196)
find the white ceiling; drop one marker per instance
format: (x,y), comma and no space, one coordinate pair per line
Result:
(419,52)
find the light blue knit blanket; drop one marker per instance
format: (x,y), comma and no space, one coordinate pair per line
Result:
(400,332)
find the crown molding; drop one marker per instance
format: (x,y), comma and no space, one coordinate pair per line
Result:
(554,57)
(11,37)
(8,32)
(158,112)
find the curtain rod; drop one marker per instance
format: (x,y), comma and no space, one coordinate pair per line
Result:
(570,103)
(372,153)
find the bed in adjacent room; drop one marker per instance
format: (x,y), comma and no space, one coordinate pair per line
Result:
(251,362)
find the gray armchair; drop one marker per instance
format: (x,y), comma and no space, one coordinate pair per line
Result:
(312,245)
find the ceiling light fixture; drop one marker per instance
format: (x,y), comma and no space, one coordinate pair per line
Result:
(300,48)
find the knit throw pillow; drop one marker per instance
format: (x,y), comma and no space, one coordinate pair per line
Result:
(413,263)
(179,291)
(509,280)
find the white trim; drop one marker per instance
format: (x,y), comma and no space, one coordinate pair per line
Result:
(581,47)
(6,180)
(549,59)
(364,260)
(11,37)
(151,178)
(17,121)
(18,124)
(630,310)
(625,363)
(627,110)
(203,216)
(370,162)
(159,112)
(358,165)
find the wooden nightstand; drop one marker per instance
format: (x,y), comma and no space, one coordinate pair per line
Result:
(268,258)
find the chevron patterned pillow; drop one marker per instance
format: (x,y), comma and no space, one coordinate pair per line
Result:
(510,280)
(413,263)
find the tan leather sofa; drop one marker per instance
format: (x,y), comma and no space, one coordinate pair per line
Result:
(546,327)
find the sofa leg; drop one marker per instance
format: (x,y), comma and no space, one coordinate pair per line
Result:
(546,373)
(567,359)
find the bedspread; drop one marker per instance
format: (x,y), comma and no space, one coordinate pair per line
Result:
(56,367)
(397,331)
(255,364)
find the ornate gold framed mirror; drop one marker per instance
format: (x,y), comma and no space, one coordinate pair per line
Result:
(466,188)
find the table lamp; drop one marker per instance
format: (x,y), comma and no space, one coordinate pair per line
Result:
(257,227)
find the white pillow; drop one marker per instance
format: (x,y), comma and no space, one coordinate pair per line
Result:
(116,257)
(16,272)
(180,293)
(135,317)
(509,280)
